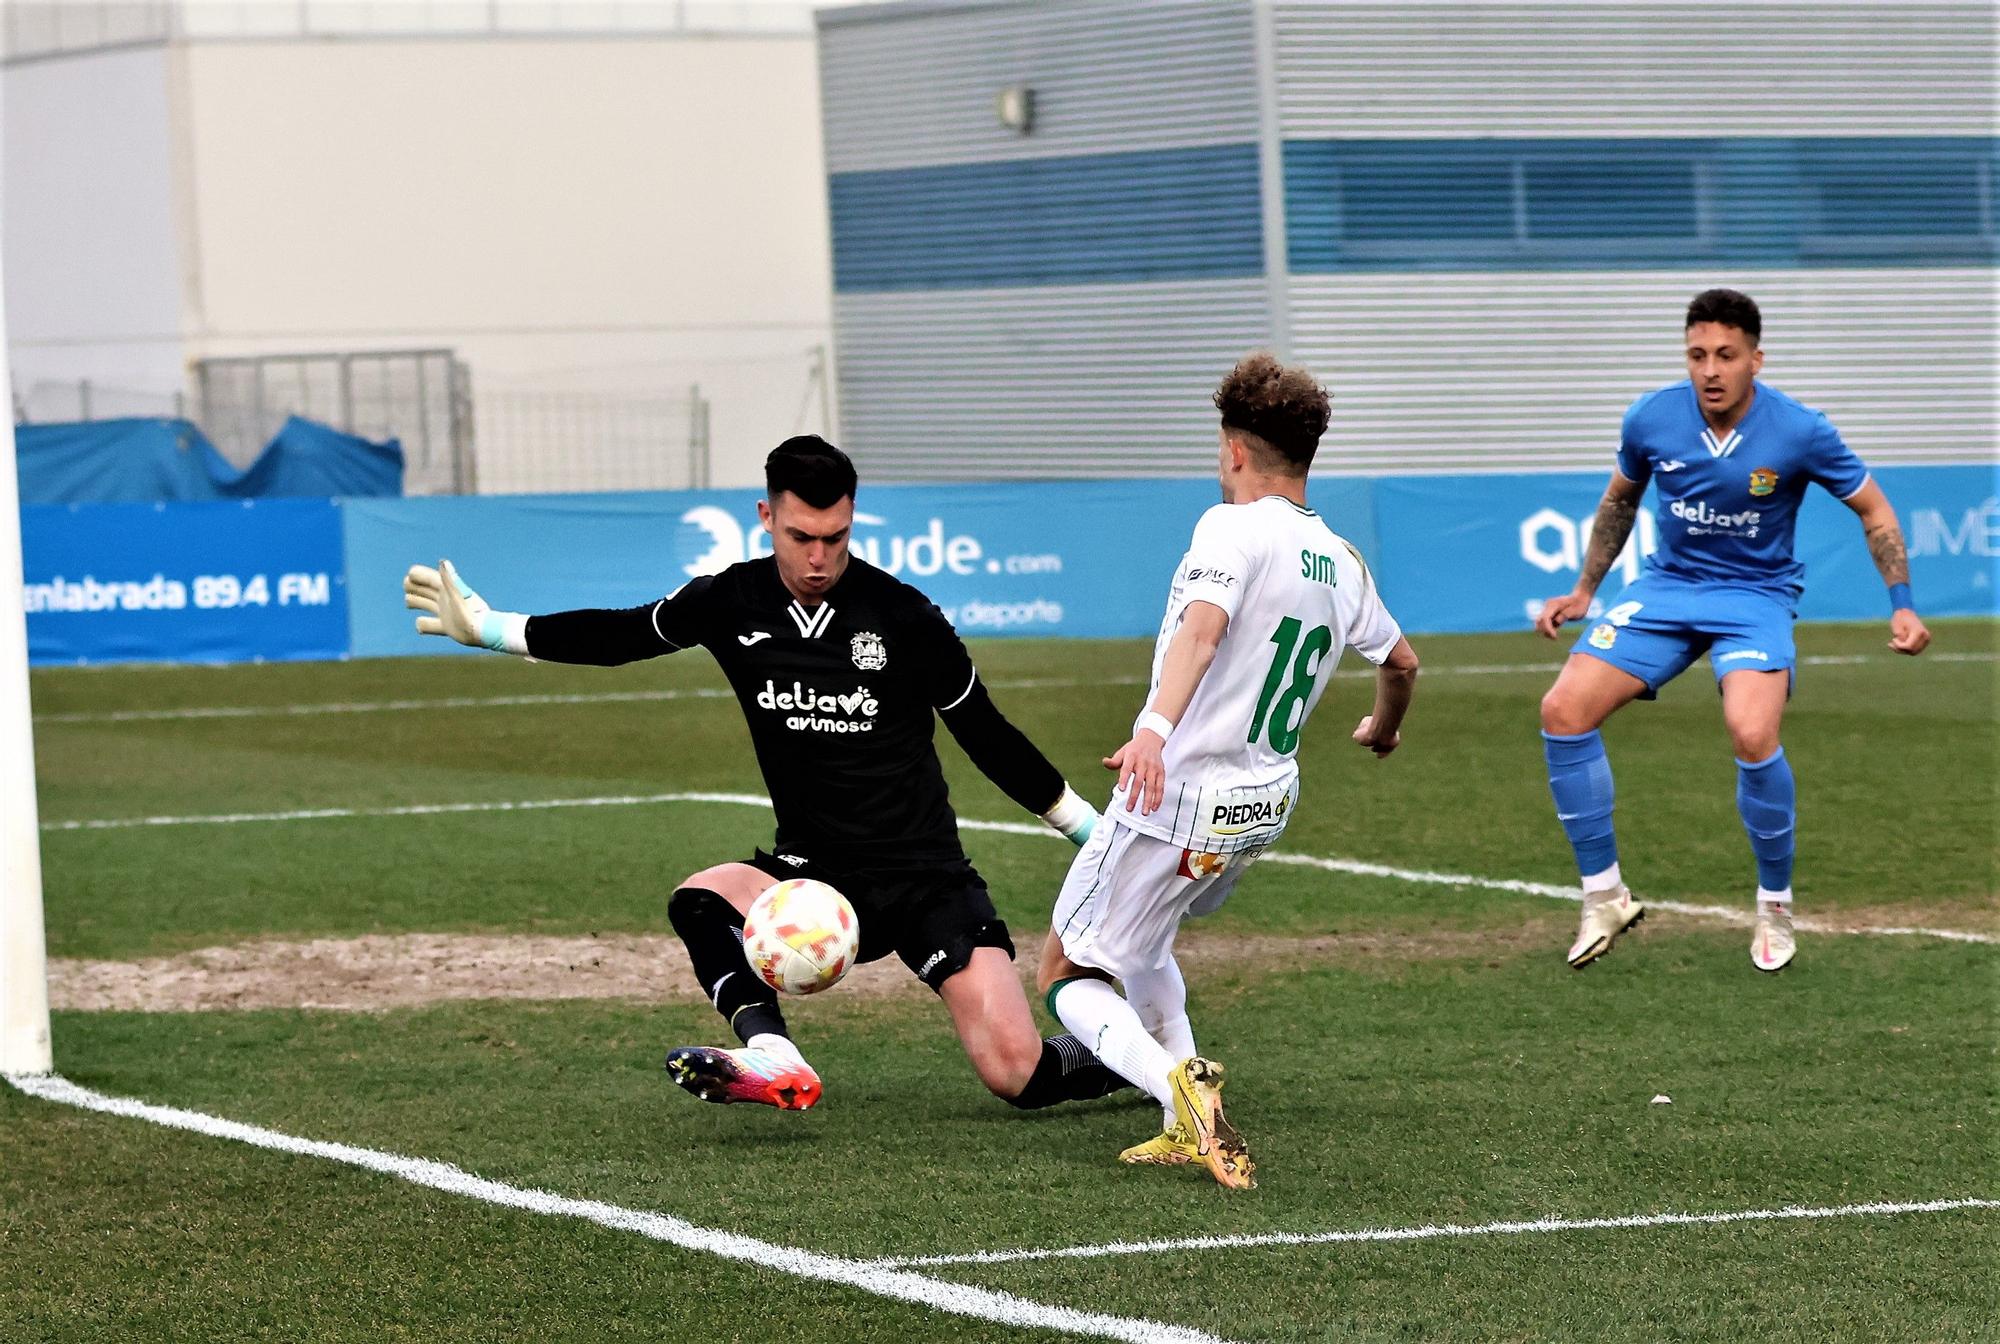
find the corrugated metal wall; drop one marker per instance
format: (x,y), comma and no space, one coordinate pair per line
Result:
(1099,380)
(1524,371)
(1832,160)
(1052,304)
(1398,68)
(914,84)
(1494,215)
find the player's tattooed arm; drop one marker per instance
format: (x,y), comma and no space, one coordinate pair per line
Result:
(1907,631)
(1885,544)
(1616,513)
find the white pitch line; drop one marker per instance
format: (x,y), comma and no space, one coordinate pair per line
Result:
(1430,1232)
(722,693)
(1725,913)
(959,1299)
(1333,865)
(413,810)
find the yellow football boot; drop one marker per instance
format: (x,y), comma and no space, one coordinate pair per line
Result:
(1170,1148)
(1198,1105)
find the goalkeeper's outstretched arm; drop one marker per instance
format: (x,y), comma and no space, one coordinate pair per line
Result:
(599,638)
(1004,755)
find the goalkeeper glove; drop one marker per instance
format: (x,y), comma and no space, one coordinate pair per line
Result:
(1071,817)
(458,612)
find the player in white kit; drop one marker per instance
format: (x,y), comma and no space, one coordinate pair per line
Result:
(1262,604)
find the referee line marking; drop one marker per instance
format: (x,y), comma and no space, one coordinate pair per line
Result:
(723,693)
(1431,1232)
(883,1280)
(1356,867)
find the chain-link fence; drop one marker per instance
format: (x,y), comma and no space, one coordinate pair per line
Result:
(529,437)
(422,397)
(539,440)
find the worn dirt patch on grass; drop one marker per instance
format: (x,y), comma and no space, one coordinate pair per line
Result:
(385,971)
(379,972)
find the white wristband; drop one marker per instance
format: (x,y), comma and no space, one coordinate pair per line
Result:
(1155,722)
(1071,817)
(505,632)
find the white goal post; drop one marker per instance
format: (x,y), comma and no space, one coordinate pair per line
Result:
(24,983)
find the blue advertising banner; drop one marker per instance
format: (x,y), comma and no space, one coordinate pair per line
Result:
(1483,553)
(1087,558)
(229,582)
(266,580)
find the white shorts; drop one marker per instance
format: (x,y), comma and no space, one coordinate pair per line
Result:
(1127,893)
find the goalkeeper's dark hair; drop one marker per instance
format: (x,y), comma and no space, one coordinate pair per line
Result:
(811,468)
(1279,410)
(1730,308)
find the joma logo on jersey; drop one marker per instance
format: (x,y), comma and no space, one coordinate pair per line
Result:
(1318,568)
(820,708)
(1247,816)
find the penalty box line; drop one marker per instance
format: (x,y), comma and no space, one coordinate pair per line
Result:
(884,1281)
(1434,1231)
(1357,867)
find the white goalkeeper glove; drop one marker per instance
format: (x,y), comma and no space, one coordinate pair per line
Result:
(459,613)
(1071,818)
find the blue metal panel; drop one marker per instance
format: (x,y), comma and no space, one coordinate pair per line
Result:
(1155,215)
(1627,204)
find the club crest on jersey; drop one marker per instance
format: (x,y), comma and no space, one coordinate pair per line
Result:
(1604,636)
(1763,481)
(1195,864)
(870,654)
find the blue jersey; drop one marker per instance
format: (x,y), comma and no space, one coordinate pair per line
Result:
(1729,506)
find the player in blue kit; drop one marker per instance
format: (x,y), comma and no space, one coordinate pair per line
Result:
(1732,457)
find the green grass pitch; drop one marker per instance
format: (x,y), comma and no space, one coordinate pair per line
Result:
(1401,1054)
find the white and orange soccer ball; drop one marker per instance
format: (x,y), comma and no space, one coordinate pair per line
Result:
(801,936)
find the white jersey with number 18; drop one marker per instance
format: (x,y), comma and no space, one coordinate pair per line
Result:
(1295,594)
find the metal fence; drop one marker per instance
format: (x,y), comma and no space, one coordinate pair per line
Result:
(49,401)
(513,437)
(541,440)
(421,397)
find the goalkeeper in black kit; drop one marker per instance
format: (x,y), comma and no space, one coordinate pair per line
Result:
(839,668)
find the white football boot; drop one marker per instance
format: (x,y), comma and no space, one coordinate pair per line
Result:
(1606,914)
(1771,942)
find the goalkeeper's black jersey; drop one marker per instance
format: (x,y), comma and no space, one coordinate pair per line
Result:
(839,699)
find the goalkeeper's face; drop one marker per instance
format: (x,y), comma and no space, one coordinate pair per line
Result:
(809,544)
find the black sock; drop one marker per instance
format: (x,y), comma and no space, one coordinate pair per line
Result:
(1067,1072)
(713,933)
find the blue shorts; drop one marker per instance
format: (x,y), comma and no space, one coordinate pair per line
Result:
(1660,624)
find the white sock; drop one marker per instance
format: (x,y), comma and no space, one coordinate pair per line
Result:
(1608,880)
(1159,997)
(1102,1020)
(1765,895)
(771,1043)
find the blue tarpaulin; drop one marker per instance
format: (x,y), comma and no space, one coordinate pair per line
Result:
(146,461)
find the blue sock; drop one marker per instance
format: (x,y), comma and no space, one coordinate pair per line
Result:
(1766,797)
(1580,779)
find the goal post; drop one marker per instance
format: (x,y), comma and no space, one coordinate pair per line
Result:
(24,984)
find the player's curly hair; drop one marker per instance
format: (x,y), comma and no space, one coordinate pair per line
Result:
(1280,405)
(1731,308)
(811,468)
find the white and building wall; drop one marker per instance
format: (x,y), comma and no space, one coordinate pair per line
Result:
(615,214)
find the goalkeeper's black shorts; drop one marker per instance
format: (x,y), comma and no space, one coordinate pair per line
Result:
(933,918)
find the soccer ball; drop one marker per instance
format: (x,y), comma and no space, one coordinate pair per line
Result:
(800,936)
